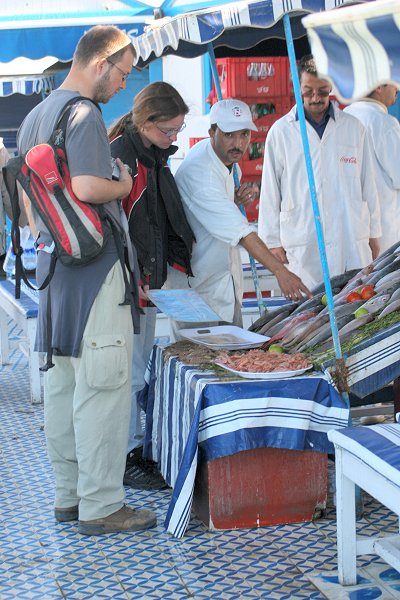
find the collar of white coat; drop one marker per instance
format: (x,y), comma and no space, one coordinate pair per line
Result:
(374,101)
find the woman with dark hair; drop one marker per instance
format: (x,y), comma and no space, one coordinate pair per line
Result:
(143,139)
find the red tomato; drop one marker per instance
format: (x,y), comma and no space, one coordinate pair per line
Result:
(353,297)
(367,292)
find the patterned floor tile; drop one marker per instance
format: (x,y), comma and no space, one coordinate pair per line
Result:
(43,559)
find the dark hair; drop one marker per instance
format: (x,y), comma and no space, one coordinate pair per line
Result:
(307,65)
(102,41)
(158,101)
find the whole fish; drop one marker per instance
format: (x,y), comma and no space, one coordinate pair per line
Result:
(344,309)
(301,331)
(382,273)
(353,325)
(290,322)
(395,295)
(389,308)
(271,314)
(323,333)
(376,303)
(282,314)
(310,303)
(393,277)
(337,281)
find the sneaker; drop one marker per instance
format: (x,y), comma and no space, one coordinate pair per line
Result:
(63,515)
(124,519)
(144,475)
(133,457)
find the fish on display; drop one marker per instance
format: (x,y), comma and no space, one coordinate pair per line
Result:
(390,307)
(310,303)
(353,325)
(301,331)
(287,325)
(395,295)
(393,278)
(376,303)
(278,318)
(323,333)
(272,314)
(337,281)
(379,275)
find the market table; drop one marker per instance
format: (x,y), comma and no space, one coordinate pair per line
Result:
(193,416)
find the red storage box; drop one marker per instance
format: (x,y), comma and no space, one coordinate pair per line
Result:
(266,113)
(193,141)
(252,162)
(266,486)
(254,77)
(252,209)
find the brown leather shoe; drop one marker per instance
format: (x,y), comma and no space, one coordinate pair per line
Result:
(124,519)
(63,515)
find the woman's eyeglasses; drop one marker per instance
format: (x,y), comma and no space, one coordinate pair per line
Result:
(173,131)
(124,75)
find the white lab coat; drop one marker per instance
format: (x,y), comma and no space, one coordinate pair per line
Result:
(385,138)
(207,191)
(347,198)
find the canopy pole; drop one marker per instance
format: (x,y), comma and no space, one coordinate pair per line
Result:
(260,303)
(341,378)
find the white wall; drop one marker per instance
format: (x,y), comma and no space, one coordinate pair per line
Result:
(187,76)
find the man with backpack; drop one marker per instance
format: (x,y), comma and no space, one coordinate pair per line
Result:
(87,393)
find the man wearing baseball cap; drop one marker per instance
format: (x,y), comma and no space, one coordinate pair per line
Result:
(206,184)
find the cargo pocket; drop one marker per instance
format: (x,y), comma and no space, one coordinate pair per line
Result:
(106,361)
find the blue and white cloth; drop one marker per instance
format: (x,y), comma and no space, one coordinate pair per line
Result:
(238,25)
(192,416)
(376,445)
(358,47)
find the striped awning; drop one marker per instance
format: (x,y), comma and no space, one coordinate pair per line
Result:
(357,48)
(237,25)
(26,86)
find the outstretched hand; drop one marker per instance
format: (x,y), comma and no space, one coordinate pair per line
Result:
(291,286)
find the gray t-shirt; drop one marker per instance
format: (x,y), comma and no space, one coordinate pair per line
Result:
(73,289)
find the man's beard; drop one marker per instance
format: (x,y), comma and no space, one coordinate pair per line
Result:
(101,92)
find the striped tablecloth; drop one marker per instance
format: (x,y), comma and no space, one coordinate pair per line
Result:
(191,416)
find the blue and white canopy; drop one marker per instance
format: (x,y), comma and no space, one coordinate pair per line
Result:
(53,27)
(26,85)
(237,25)
(357,48)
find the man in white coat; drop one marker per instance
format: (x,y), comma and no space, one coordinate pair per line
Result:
(385,136)
(206,184)
(343,168)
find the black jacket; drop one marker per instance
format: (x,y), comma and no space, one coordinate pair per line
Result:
(157,222)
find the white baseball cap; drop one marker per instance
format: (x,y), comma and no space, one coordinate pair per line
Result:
(231,115)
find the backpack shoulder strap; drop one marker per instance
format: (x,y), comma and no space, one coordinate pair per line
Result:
(57,137)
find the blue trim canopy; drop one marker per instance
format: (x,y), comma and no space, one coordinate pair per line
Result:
(237,25)
(26,86)
(53,27)
(357,48)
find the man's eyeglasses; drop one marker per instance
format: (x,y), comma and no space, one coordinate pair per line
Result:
(124,75)
(169,132)
(322,93)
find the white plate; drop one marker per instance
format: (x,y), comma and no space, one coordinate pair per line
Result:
(266,375)
(225,337)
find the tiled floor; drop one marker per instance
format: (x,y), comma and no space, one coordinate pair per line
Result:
(44,560)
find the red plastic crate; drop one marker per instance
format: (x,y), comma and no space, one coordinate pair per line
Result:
(252,209)
(266,113)
(252,162)
(254,77)
(193,141)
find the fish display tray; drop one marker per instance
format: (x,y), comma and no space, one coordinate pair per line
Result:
(224,337)
(265,374)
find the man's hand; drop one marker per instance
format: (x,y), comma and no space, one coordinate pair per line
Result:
(375,247)
(246,194)
(280,254)
(291,286)
(124,177)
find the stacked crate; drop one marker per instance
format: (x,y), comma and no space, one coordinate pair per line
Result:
(264,84)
